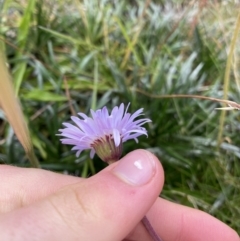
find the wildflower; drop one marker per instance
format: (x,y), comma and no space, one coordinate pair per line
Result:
(104,133)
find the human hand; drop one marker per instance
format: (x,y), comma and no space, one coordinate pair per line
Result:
(41,205)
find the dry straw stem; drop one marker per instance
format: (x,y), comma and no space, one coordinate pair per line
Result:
(232,105)
(12,109)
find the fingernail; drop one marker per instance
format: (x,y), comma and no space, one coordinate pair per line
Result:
(137,168)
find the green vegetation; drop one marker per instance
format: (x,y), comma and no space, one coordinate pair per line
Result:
(67,56)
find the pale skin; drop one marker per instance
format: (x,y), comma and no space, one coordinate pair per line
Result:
(41,205)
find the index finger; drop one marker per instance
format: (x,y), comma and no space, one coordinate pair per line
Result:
(176,222)
(23,186)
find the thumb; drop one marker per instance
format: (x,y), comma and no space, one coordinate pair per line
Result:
(105,207)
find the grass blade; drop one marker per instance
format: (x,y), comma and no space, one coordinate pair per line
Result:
(24,28)
(227,76)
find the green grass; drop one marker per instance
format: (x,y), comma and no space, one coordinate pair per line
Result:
(104,53)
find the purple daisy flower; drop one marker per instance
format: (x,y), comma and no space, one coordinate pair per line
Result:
(104,132)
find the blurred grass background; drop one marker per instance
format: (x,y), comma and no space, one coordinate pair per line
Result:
(70,56)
